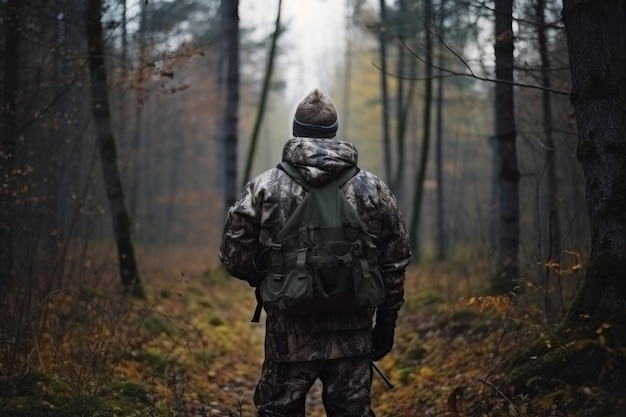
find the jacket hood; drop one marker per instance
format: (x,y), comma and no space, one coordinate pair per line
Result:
(320,160)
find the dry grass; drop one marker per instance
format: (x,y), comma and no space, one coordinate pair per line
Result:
(190,349)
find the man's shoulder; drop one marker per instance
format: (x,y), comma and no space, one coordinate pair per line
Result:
(373,180)
(269,176)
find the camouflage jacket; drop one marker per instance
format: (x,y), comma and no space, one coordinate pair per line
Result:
(257,217)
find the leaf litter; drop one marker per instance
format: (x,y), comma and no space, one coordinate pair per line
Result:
(192,351)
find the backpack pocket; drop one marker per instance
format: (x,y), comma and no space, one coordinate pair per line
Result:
(282,291)
(369,287)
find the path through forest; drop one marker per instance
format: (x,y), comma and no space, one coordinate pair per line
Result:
(191,350)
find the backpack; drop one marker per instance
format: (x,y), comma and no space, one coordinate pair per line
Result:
(323,259)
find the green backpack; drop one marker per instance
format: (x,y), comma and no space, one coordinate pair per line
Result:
(323,259)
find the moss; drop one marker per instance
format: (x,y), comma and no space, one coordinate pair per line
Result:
(156,326)
(216,321)
(215,276)
(557,368)
(34,394)
(58,405)
(404,375)
(463,316)
(204,358)
(156,360)
(425,298)
(132,391)
(416,353)
(22,385)
(196,290)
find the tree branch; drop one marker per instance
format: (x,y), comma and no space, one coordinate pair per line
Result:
(451,73)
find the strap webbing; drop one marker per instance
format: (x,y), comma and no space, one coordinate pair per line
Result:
(259,306)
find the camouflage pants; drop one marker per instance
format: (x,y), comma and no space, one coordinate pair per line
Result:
(282,389)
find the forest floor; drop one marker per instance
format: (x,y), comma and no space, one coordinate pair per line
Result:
(190,350)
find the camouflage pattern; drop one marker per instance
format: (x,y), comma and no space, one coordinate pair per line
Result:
(346,387)
(257,217)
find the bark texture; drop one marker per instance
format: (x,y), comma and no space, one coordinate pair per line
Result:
(230,75)
(507,171)
(8,103)
(587,349)
(108,151)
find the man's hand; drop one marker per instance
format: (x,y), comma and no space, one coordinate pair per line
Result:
(382,340)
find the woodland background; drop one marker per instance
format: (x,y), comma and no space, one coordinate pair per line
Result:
(128,128)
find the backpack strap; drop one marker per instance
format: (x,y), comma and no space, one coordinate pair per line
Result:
(345,176)
(259,305)
(294,173)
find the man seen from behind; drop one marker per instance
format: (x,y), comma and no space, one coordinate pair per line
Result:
(335,347)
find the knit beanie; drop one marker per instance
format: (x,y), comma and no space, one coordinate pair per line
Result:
(316,117)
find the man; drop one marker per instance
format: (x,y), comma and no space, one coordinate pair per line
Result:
(335,347)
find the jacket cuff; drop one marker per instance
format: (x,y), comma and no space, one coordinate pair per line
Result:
(386,317)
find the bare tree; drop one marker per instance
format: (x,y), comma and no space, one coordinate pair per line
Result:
(421,170)
(9,138)
(441,233)
(554,231)
(229,79)
(507,172)
(140,97)
(264,93)
(383,39)
(404,99)
(108,151)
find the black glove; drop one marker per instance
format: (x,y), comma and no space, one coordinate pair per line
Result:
(382,340)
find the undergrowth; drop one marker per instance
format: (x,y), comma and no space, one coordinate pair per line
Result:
(190,350)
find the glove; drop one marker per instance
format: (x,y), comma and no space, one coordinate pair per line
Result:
(382,340)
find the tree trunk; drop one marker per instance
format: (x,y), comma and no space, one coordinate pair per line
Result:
(597,316)
(400,120)
(136,186)
(506,155)
(404,100)
(554,229)
(108,151)
(441,232)
(384,93)
(421,171)
(347,93)
(602,152)
(8,140)
(264,94)
(617,47)
(229,76)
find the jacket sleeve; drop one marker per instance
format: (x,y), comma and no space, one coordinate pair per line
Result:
(240,250)
(394,257)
